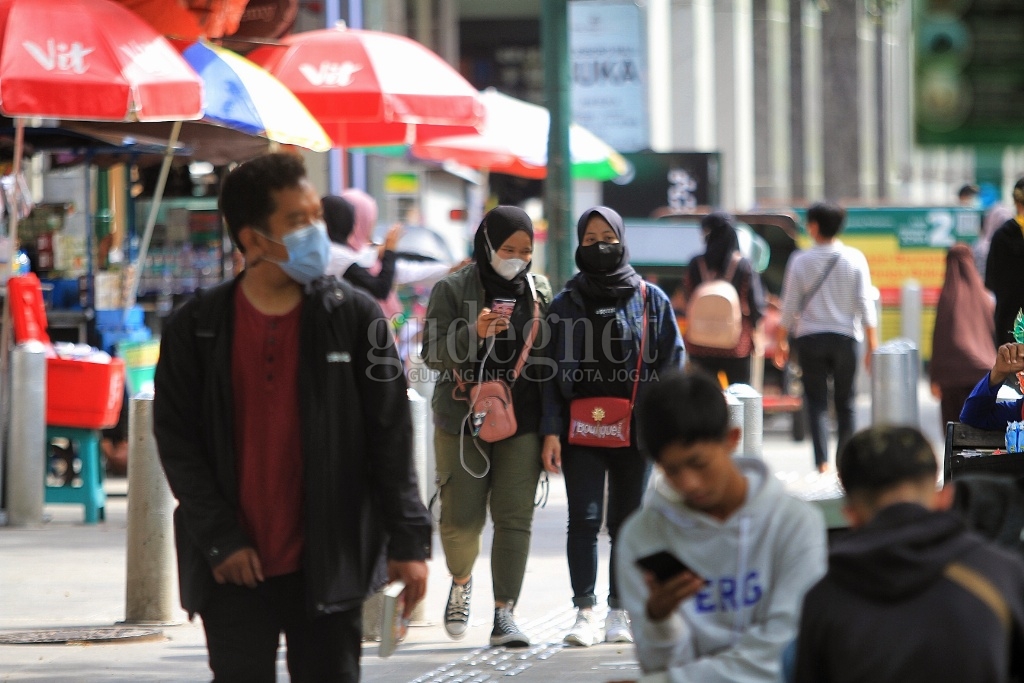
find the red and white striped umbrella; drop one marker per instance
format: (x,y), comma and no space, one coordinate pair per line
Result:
(371,88)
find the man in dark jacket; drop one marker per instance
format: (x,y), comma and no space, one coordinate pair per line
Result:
(283,425)
(910,595)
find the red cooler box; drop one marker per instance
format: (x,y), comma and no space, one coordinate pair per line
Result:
(84,394)
(78,393)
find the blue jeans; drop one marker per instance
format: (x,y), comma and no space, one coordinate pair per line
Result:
(585,470)
(822,356)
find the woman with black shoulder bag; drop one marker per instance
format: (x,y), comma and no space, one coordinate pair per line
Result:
(481,333)
(611,334)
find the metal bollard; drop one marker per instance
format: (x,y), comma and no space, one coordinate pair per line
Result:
(894,377)
(910,312)
(735,406)
(27,449)
(752,444)
(151,586)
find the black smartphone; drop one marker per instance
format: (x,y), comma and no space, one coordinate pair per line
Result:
(663,564)
(503,307)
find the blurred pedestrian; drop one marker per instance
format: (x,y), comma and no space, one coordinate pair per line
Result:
(1004,269)
(748,550)
(612,335)
(828,306)
(722,260)
(995,217)
(911,596)
(968,195)
(482,326)
(350,221)
(283,426)
(962,348)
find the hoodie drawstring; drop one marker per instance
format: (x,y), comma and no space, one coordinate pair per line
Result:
(739,621)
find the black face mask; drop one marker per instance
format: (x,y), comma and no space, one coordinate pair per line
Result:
(600,257)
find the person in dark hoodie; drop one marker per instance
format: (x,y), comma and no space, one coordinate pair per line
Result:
(911,595)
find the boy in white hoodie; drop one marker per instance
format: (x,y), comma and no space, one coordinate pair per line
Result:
(752,551)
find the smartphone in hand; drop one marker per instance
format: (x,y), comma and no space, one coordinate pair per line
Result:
(663,564)
(503,307)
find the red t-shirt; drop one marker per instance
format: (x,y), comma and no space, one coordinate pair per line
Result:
(267,431)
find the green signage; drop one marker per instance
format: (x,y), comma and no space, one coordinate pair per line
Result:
(934,227)
(969,74)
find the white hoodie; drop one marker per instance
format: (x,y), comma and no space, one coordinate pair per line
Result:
(758,565)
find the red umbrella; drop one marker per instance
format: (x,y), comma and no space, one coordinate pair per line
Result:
(367,87)
(90,60)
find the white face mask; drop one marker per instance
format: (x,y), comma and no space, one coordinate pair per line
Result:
(508,268)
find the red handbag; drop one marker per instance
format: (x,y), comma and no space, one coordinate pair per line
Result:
(603,421)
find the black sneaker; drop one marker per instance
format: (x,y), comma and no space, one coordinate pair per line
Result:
(505,631)
(456,612)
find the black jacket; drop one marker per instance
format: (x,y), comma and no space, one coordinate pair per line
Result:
(1004,277)
(360,482)
(889,611)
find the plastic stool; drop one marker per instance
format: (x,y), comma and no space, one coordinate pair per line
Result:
(85,447)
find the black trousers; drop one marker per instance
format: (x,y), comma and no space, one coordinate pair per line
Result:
(824,356)
(244,625)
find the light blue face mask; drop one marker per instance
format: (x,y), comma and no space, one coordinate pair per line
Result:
(309,250)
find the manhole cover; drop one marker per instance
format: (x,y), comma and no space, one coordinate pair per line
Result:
(79,635)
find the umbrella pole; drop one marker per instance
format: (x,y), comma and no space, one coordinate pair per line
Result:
(158,194)
(6,331)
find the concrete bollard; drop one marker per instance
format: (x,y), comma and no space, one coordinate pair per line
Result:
(27,448)
(373,606)
(420,409)
(752,444)
(894,376)
(151,591)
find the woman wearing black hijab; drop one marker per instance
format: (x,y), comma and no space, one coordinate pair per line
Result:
(722,260)
(598,324)
(477,325)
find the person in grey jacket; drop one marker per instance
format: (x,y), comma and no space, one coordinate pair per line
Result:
(476,328)
(283,426)
(749,550)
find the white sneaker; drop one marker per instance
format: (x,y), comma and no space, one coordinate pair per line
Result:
(616,627)
(585,631)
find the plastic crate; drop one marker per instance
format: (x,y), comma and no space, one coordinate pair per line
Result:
(84,394)
(120,318)
(27,311)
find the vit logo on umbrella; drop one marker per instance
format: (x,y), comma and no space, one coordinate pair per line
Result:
(60,56)
(330,73)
